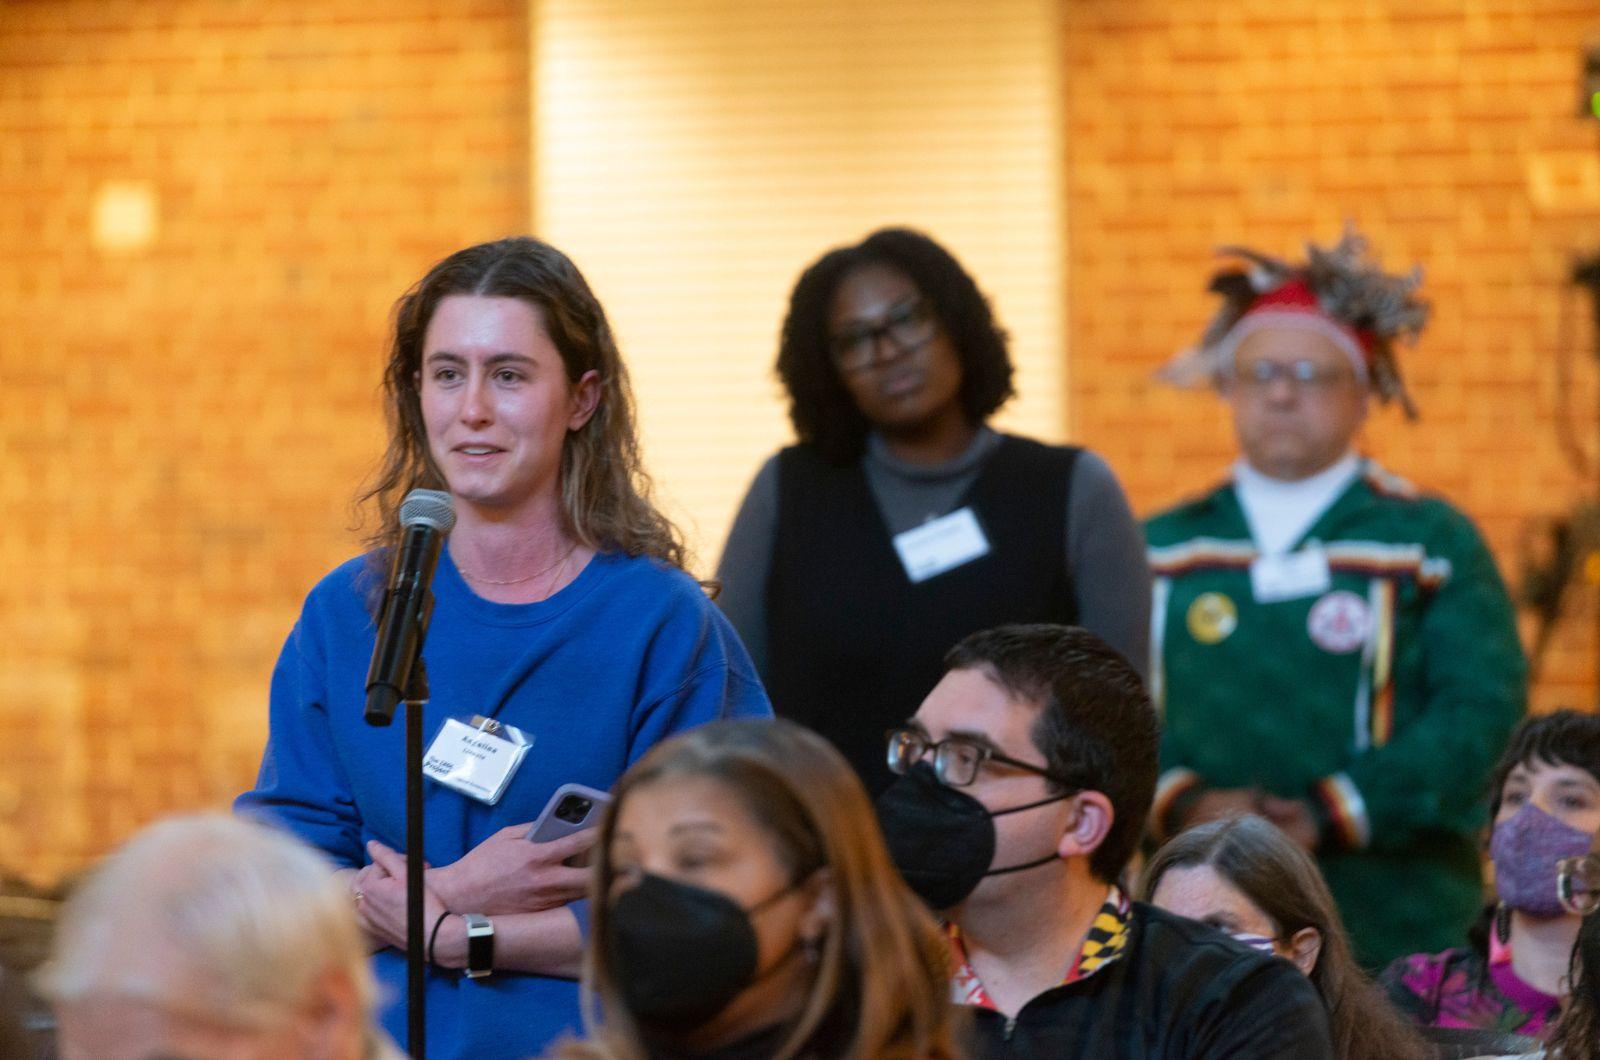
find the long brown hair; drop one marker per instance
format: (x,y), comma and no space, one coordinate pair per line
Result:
(605,491)
(1284,883)
(882,976)
(1576,1035)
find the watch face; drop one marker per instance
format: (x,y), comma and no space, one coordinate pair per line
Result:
(480,945)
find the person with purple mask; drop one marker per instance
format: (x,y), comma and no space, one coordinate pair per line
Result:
(1545,805)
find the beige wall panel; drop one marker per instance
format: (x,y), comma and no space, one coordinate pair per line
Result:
(695,156)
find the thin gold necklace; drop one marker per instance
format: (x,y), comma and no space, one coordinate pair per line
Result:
(481,580)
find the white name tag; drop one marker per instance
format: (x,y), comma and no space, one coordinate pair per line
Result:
(477,758)
(941,544)
(1290,576)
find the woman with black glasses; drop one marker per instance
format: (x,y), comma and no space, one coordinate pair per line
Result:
(901,521)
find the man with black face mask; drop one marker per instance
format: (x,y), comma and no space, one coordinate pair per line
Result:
(1025,779)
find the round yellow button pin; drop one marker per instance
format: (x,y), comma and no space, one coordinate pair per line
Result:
(1212,617)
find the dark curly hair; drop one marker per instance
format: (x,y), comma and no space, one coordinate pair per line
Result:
(821,409)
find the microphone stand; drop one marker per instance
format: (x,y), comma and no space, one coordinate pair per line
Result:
(415,698)
(416,958)
(397,673)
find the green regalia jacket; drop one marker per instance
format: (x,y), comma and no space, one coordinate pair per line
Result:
(1382,689)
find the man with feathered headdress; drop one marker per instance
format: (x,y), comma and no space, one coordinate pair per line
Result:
(1330,647)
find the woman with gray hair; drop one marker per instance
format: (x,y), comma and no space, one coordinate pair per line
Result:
(212,936)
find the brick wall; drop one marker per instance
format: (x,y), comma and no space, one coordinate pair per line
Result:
(1448,130)
(184,424)
(185,412)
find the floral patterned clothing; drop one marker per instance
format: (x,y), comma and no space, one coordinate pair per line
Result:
(1457,988)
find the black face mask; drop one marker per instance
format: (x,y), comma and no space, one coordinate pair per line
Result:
(680,953)
(941,838)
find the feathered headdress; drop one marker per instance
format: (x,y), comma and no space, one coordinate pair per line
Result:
(1337,293)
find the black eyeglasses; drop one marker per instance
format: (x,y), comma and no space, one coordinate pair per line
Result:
(1578,883)
(908,325)
(956,759)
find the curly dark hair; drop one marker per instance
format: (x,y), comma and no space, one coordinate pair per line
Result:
(821,409)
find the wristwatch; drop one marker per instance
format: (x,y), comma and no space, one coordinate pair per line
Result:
(480,945)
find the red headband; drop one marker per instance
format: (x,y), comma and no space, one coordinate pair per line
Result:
(1294,304)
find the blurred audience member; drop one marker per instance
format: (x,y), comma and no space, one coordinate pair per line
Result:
(1243,876)
(1545,803)
(744,907)
(1332,649)
(212,937)
(1025,777)
(901,521)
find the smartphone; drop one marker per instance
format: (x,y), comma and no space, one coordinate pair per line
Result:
(572,808)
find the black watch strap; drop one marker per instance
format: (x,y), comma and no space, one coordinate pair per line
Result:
(480,945)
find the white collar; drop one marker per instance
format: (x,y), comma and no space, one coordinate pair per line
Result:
(1280,512)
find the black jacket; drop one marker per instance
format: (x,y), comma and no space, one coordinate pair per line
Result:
(1179,990)
(852,644)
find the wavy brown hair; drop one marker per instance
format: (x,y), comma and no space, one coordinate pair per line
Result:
(605,491)
(1284,883)
(882,977)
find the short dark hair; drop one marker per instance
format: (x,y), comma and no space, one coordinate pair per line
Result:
(1096,725)
(1560,738)
(821,409)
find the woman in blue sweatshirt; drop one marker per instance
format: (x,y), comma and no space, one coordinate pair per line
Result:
(561,610)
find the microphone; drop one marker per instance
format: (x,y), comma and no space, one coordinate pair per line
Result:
(426,516)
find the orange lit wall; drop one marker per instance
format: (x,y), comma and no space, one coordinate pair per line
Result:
(187,390)
(207,208)
(1448,130)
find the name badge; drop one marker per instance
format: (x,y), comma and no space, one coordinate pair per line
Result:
(477,757)
(941,544)
(1290,576)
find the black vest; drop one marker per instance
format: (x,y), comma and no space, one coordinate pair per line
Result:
(852,645)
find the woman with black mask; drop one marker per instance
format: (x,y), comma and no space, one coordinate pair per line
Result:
(744,907)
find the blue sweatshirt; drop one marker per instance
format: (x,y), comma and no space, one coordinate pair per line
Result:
(627,654)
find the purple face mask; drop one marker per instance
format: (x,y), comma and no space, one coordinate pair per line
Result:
(1525,848)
